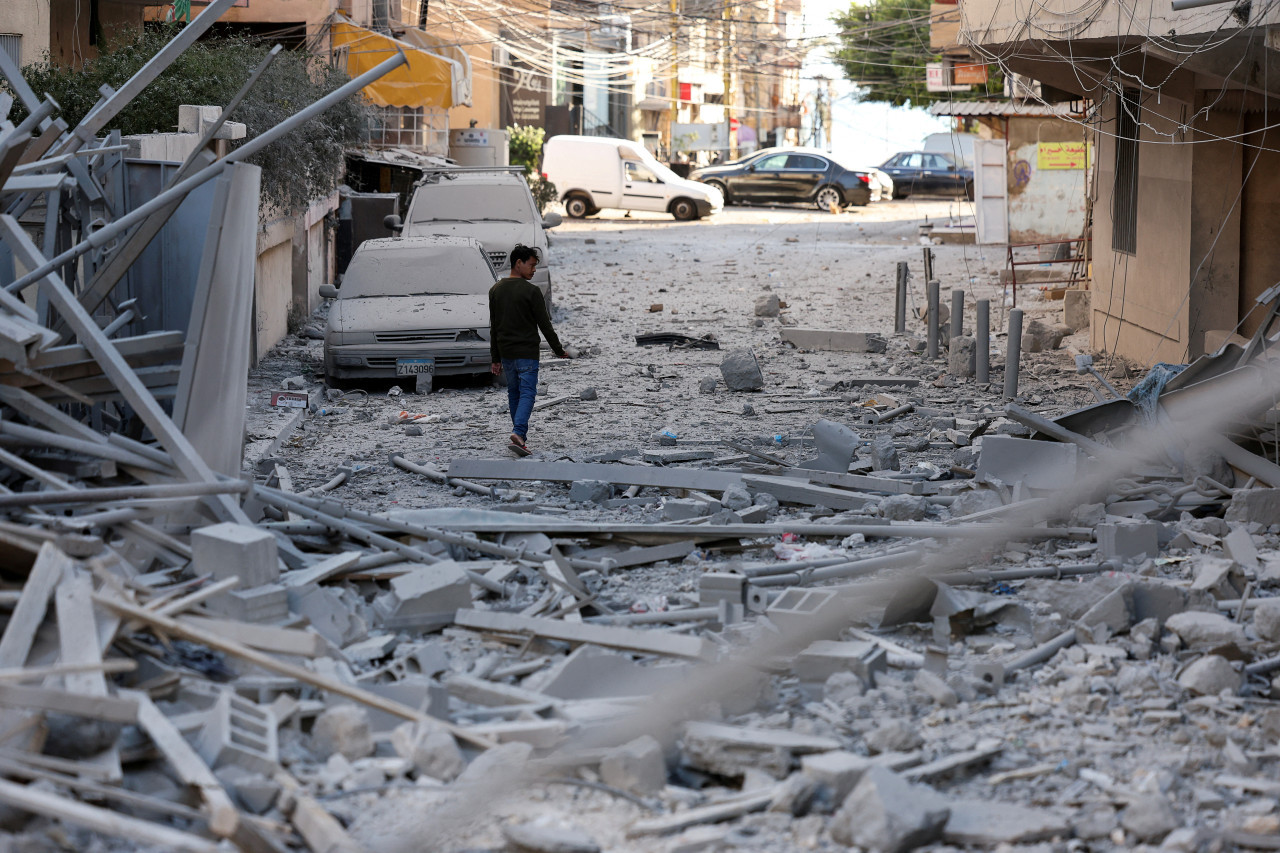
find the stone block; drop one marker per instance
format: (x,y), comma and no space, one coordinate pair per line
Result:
(1128,541)
(242,550)
(1239,546)
(1077,305)
(736,498)
(904,508)
(884,455)
(834,340)
(1149,817)
(961,355)
(707,385)
(768,305)
(431,748)
(741,370)
(590,491)
(1250,505)
(823,658)
(679,509)
(1112,610)
(425,598)
(1209,676)
(192,118)
(714,587)
(261,604)
(637,766)
(888,814)
(343,729)
(1040,465)
(837,771)
(1038,336)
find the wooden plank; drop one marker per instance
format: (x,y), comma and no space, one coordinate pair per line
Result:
(191,599)
(38,673)
(224,817)
(19,634)
(627,475)
(111,823)
(108,708)
(479,691)
(644,642)
(78,635)
(283,641)
(196,634)
(319,829)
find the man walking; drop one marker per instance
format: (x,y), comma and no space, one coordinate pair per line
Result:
(516,312)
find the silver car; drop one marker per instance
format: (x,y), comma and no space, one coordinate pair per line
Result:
(410,306)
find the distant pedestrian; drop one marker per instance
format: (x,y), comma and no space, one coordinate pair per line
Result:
(516,312)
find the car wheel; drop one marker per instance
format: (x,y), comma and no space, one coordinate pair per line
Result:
(577,206)
(828,198)
(684,210)
(968,190)
(724,190)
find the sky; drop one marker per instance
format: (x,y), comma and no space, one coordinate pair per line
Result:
(864,133)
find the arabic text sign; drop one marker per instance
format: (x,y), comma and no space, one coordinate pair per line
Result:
(1063,155)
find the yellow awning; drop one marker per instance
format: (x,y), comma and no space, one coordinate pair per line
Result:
(426,80)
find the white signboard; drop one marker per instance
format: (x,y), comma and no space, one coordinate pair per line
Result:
(700,137)
(937,78)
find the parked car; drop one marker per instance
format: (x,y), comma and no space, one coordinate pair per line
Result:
(789,175)
(595,172)
(928,173)
(408,306)
(493,205)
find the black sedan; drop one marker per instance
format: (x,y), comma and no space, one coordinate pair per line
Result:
(928,173)
(788,174)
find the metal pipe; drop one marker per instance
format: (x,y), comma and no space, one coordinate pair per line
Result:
(123,494)
(1012,354)
(957,314)
(982,343)
(935,328)
(1181,5)
(905,409)
(979,576)
(851,569)
(692,614)
(117,227)
(440,477)
(1042,652)
(900,299)
(781,568)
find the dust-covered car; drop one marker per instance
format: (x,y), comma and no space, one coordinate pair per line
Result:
(410,306)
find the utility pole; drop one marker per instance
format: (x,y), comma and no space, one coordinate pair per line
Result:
(675,73)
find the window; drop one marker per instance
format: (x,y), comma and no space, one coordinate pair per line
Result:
(1124,199)
(11,43)
(933,161)
(913,161)
(809,164)
(640,173)
(772,163)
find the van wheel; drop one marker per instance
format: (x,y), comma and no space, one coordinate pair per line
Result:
(684,210)
(577,206)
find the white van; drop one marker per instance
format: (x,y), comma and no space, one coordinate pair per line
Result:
(595,172)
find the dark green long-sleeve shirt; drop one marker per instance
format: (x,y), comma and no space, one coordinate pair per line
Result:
(516,312)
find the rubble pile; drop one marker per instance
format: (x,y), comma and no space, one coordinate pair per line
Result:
(911,623)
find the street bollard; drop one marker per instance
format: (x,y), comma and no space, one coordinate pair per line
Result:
(900,305)
(982,343)
(957,314)
(1013,354)
(928,263)
(935,328)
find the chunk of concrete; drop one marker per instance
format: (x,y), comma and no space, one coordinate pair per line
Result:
(824,658)
(1038,336)
(637,766)
(343,729)
(1209,676)
(834,340)
(431,748)
(425,598)
(1202,630)
(986,824)
(540,837)
(1076,307)
(884,456)
(836,444)
(1239,546)
(767,305)
(1218,576)
(886,813)
(1128,541)
(241,550)
(1149,817)
(893,736)
(904,508)
(741,370)
(1266,620)
(732,750)
(836,771)
(329,616)
(590,491)
(708,385)
(937,689)
(1040,465)
(681,509)
(736,498)
(500,763)
(1252,505)
(961,356)
(974,500)
(1112,610)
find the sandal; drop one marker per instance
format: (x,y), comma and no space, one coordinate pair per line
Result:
(516,439)
(519,449)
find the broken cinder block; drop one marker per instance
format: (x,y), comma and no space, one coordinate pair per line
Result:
(229,549)
(425,598)
(238,731)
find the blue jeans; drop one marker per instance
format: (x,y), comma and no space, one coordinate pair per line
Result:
(522,388)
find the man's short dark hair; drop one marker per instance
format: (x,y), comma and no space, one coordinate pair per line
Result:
(523,253)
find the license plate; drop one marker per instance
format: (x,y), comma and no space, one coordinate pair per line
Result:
(415,366)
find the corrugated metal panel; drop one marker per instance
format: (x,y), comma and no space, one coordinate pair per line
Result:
(11,43)
(997,108)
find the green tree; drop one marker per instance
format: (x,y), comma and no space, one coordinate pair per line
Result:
(302,166)
(884,47)
(524,144)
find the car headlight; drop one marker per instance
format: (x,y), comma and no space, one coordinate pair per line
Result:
(469,336)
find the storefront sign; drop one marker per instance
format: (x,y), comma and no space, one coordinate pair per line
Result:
(1063,155)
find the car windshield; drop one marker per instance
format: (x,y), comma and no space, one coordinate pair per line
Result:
(417,271)
(450,201)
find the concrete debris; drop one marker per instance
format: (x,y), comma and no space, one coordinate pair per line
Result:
(431,749)
(1209,676)
(539,837)
(637,766)
(1149,817)
(884,454)
(343,729)
(767,305)
(1038,336)
(885,812)
(741,371)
